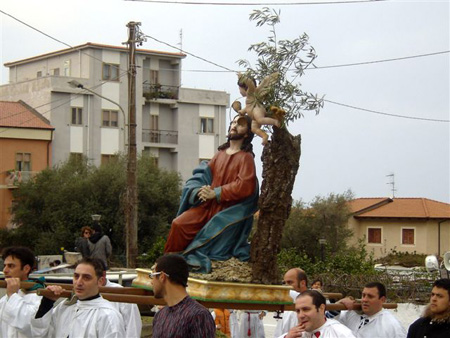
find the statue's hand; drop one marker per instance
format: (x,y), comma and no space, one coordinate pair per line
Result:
(206,193)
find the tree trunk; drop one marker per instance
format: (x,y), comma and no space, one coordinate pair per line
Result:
(280,160)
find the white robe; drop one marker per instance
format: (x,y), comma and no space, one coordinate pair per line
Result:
(288,320)
(331,329)
(88,319)
(130,313)
(380,325)
(16,313)
(255,324)
(234,324)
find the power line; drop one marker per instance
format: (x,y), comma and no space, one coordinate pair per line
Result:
(45,104)
(51,37)
(379,61)
(329,66)
(387,114)
(193,55)
(256,3)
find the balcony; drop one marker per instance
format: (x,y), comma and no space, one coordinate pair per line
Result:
(160,136)
(159,91)
(13,178)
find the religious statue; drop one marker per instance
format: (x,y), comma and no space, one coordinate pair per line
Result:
(217,203)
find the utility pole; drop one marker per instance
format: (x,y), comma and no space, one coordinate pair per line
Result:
(131,204)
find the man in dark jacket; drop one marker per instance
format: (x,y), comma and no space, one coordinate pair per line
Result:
(435,322)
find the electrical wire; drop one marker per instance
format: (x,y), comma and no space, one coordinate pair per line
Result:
(256,3)
(387,114)
(53,38)
(45,104)
(191,54)
(320,67)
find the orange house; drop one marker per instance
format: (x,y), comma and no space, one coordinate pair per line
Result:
(402,224)
(25,149)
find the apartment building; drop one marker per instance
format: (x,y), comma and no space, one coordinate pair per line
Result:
(178,126)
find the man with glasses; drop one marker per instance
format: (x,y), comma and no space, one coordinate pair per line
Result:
(183,316)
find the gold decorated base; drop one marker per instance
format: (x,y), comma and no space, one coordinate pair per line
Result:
(226,292)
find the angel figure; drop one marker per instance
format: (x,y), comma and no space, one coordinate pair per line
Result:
(253,104)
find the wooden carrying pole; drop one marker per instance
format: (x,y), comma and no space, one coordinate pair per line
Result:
(150,300)
(145,297)
(103,289)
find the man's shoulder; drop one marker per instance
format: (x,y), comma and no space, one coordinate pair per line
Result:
(388,315)
(336,326)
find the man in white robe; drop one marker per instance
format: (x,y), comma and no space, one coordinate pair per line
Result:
(17,307)
(251,324)
(90,317)
(130,313)
(297,279)
(374,321)
(310,309)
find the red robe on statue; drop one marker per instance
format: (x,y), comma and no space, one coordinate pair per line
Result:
(236,176)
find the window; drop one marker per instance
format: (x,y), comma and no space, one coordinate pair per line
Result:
(154,129)
(76,157)
(39,74)
(206,125)
(110,72)
(23,161)
(77,115)
(109,159)
(374,235)
(154,77)
(55,72)
(408,236)
(110,118)
(67,68)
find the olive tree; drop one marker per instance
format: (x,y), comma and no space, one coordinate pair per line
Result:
(281,156)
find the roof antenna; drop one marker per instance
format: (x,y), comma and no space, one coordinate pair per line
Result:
(392,183)
(181,40)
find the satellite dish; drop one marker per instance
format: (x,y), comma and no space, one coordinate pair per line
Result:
(431,263)
(447,260)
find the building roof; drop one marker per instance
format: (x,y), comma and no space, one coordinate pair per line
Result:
(20,115)
(399,208)
(97,46)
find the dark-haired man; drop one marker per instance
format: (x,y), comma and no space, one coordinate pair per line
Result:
(435,321)
(217,204)
(312,323)
(17,307)
(375,321)
(90,316)
(183,316)
(297,279)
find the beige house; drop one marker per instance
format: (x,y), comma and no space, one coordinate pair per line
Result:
(403,224)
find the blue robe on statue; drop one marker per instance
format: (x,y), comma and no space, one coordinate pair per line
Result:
(225,235)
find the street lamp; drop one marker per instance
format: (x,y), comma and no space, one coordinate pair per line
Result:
(77,84)
(131,199)
(322,242)
(96,219)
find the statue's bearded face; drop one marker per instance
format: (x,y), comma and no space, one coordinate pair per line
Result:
(238,128)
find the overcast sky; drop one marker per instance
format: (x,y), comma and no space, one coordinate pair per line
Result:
(342,148)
